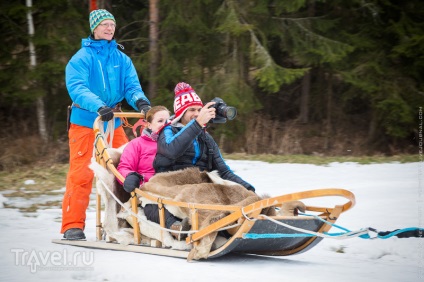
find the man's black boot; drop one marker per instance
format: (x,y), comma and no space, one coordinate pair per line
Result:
(74,234)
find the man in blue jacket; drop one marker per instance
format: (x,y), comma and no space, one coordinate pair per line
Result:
(98,78)
(185,143)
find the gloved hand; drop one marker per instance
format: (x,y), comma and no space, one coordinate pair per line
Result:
(106,113)
(132,181)
(143,106)
(250,188)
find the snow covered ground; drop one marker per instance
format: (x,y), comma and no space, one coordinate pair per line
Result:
(389,196)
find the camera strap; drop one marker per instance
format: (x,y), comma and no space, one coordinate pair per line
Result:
(209,147)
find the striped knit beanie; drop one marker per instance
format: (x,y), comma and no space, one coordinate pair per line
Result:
(185,97)
(97,16)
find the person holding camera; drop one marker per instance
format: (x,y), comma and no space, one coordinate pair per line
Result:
(185,143)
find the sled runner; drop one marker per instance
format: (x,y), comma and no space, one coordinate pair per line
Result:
(259,227)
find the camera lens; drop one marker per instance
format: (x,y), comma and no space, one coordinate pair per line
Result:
(230,113)
(223,112)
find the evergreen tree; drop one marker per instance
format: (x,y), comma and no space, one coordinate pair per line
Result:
(55,39)
(309,59)
(385,69)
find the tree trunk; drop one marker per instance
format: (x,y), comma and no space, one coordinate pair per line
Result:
(372,129)
(304,98)
(153,47)
(306,81)
(42,128)
(93,5)
(327,142)
(101,4)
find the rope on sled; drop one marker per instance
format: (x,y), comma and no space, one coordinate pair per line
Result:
(150,222)
(136,215)
(361,233)
(304,232)
(401,233)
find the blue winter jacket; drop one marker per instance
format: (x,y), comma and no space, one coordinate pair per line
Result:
(100,75)
(180,147)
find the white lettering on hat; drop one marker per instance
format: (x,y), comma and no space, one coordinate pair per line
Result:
(177,103)
(186,98)
(196,98)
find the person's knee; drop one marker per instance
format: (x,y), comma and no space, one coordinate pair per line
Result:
(152,212)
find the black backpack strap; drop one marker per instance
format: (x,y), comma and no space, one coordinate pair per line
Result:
(209,147)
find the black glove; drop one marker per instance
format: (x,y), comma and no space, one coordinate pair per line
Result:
(106,113)
(132,181)
(143,106)
(250,188)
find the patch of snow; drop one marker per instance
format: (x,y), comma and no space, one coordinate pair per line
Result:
(29,182)
(388,196)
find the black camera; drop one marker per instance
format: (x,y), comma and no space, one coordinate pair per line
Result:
(223,112)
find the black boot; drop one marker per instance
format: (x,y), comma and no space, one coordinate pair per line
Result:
(74,234)
(180,226)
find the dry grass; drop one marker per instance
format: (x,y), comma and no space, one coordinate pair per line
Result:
(264,135)
(19,151)
(46,178)
(45,190)
(322,160)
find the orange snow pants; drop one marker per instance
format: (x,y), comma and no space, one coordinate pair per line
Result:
(80,177)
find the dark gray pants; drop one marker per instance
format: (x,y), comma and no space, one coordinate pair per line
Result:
(152,213)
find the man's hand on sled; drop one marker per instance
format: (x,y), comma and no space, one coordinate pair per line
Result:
(132,181)
(206,114)
(106,113)
(143,106)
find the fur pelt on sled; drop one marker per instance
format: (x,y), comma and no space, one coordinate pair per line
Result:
(192,186)
(115,217)
(189,185)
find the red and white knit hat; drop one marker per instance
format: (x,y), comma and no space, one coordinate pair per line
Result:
(185,97)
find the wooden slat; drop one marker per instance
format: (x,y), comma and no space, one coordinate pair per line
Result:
(194,224)
(161,211)
(184,204)
(119,247)
(136,226)
(98,216)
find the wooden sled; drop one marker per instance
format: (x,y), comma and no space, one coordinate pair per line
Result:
(255,234)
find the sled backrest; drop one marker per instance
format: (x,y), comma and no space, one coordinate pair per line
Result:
(101,144)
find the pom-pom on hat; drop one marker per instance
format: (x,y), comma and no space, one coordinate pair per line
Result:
(97,16)
(185,97)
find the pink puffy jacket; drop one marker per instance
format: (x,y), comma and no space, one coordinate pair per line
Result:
(138,156)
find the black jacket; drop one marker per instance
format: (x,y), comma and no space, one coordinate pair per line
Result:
(181,147)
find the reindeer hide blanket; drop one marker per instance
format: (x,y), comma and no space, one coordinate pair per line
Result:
(192,186)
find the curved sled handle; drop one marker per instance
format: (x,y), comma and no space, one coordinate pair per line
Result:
(128,115)
(316,193)
(264,203)
(255,208)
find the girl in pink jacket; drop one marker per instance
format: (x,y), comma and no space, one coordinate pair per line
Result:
(136,163)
